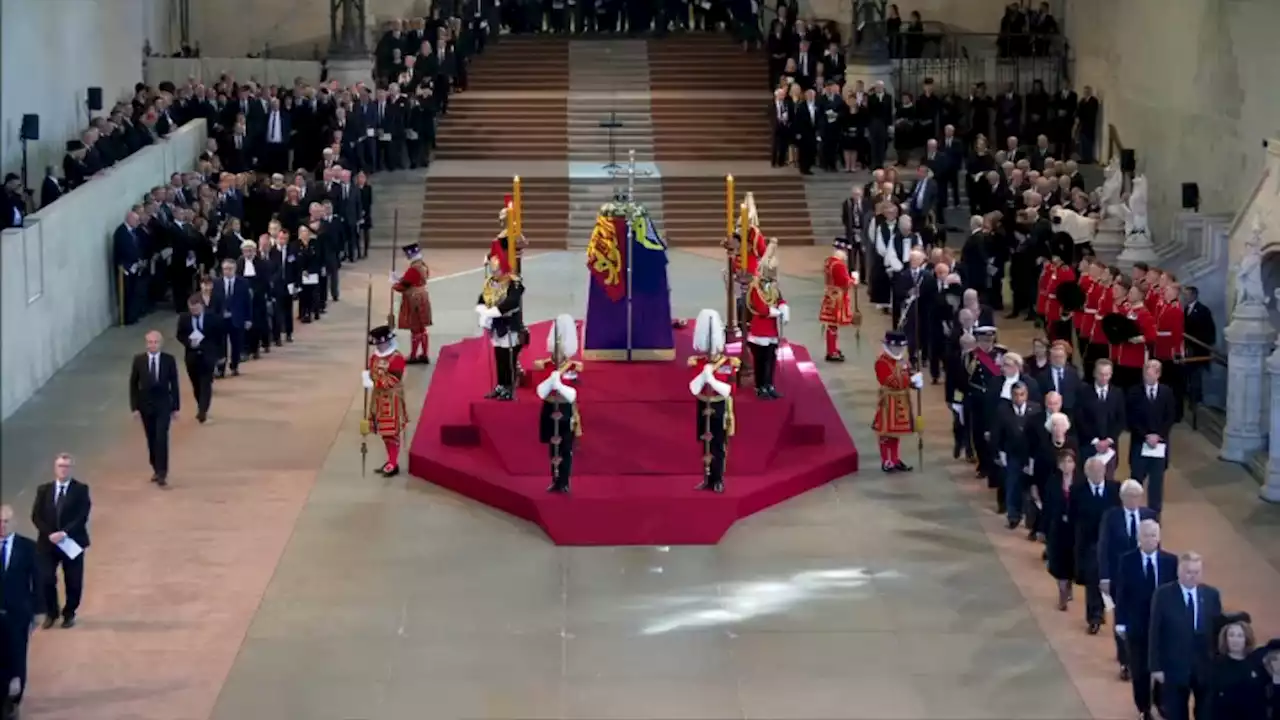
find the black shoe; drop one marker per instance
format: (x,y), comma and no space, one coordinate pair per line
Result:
(717,486)
(235,372)
(506,395)
(955,452)
(1013,523)
(426,360)
(1031,535)
(1124,674)
(201,417)
(392,471)
(162,481)
(221,374)
(49,621)
(288,338)
(833,358)
(257,356)
(558,489)
(494,393)
(773,392)
(278,344)
(902,467)
(1094,627)
(69,621)
(704,485)
(889,467)
(763,393)
(155,478)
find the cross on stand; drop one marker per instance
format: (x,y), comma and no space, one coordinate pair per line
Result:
(630,199)
(630,172)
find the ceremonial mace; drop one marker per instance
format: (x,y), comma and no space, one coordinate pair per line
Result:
(556,414)
(364,349)
(395,250)
(707,412)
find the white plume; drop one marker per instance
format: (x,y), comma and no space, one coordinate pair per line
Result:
(567,330)
(708,333)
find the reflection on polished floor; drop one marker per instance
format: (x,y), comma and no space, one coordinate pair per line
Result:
(274,581)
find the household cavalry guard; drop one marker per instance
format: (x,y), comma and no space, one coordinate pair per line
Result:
(837,301)
(498,247)
(768,313)
(498,309)
(894,417)
(559,424)
(712,386)
(980,366)
(757,244)
(385,378)
(415,304)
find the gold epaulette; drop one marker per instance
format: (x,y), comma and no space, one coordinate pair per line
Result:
(735,362)
(541,364)
(694,360)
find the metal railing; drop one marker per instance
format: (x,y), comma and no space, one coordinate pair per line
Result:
(1195,371)
(958,61)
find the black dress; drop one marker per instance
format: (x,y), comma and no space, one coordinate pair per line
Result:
(1060,536)
(1237,689)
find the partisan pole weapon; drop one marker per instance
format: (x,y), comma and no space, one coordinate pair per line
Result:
(915,310)
(364,349)
(395,250)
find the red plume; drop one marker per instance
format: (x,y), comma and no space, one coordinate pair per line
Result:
(507,201)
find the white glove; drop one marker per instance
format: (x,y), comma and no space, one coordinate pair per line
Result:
(492,312)
(957,408)
(853,277)
(366,380)
(774,312)
(786,313)
(917,381)
(708,371)
(394,276)
(1003,459)
(556,380)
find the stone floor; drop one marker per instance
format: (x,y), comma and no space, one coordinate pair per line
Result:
(273,580)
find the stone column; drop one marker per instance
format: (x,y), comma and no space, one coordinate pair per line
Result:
(1271,486)
(1108,240)
(1250,338)
(1137,248)
(349,59)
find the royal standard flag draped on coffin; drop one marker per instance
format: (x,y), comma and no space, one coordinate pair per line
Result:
(621,229)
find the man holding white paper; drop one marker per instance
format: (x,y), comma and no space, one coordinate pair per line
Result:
(1101,416)
(1151,412)
(60,513)
(198,331)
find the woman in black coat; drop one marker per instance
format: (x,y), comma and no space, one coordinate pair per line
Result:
(1052,437)
(1236,678)
(1060,536)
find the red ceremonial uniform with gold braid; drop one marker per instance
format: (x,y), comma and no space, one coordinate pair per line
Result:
(1106,303)
(756,245)
(415,306)
(759,301)
(1081,319)
(387,414)
(1170,332)
(1052,306)
(1134,354)
(893,412)
(1044,288)
(726,368)
(1153,299)
(837,300)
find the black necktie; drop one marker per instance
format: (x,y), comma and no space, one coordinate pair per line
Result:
(4,560)
(1190,598)
(1149,569)
(155,369)
(1133,525)
(59,495)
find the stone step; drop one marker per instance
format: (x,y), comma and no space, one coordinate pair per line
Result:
(694,209)
(463,211)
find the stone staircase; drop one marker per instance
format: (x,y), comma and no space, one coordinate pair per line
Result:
(462,211)
(826,193)
(693,208)
(586,195)
(515,109)
(395,193)
(609,81)
(709,99)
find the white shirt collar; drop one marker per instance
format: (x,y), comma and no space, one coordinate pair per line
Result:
(153,356)
(1152,556)
(62,484)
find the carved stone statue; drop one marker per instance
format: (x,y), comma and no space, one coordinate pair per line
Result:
(868,23)
(1249,289)
(347,33)
(1135,210)
(1109,194)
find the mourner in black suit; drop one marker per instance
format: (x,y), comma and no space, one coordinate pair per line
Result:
(1135,577)
(20,601)
(1151,413)
(1101,415)
(60,512)
(805,125)
(781,125)
(201,336)
(1090,500)
(1181,639)
(1014,443)
(230,301)
(154,397)
(366,212)
(51,189)
(1063,379)
(1119,535)
(1200,336)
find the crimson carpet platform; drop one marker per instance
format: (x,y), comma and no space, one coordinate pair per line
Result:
(638,459)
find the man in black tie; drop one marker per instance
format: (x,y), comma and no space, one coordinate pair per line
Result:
(231,302)
(781,128)
(60,514)
(1089,501)
(1062,379)
(1137,575)
(21,607)
(1201,336)
(198,333)
(1119,535)
(805,66)
(1101,415)
(1012,440)
(275,140)
(1151,413)
(154,397)
(1181,639)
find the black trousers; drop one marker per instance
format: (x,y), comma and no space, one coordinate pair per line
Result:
(558,435)
(201,376)
(331,266)
(1174,699)
(779,151)
(504,363)
(281,318)
(714,438)
(308,305)
(1139,669)
(72,573)
(156,426)
(352,239)
(18,635)
(235,338)
(765,360)
(259,334)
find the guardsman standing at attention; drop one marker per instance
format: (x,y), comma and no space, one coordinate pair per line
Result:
(385,377)
(559,425)
(415,304)
(498,248)
(894,417)
(768,314)
(499,311)
(837,302)
(981,366)
(712,385)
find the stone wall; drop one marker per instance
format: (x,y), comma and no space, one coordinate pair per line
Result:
(51,51)
(296,29)
(1190,86)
